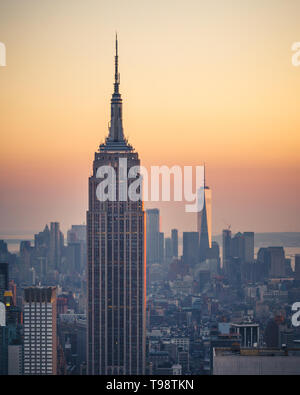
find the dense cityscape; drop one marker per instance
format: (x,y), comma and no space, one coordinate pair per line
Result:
(86,303)
(196,311)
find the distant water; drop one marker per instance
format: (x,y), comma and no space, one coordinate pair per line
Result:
(290,253)
(13,240)
(13,244)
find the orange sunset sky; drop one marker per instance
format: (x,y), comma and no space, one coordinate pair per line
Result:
(201,80)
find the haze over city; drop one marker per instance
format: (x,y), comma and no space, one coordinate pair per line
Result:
(201,81)
(196,104)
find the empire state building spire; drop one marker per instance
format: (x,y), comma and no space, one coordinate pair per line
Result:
(116,257)
(117,74)
(116,140)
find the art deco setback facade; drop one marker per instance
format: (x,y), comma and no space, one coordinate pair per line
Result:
(116,262)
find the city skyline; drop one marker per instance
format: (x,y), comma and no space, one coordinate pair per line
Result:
(149,218)
(241,104)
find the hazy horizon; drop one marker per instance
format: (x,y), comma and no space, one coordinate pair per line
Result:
(201,82)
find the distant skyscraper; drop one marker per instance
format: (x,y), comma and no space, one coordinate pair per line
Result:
(42,239)
(242,246)
(237,246)
(204,221)
(238,256)
(76,233)
(214,254)
(40,337)
(153,229)
(116,270)
(174,236)
(272,260)
(161,247)
(226,249)
(263,263)
(248,247)
(190,248)
(277,262)
(56,244)
(76,250)
(168,248)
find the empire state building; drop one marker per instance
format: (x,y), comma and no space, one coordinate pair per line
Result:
(116,272)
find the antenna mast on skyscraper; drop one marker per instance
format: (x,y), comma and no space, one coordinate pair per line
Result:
(117,74)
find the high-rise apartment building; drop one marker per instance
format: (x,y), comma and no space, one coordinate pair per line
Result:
(116,270)
(40,336)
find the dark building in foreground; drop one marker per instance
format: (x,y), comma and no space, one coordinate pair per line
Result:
(254,361)
(11,358)
(3,279)
(115,260)
(40,335)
